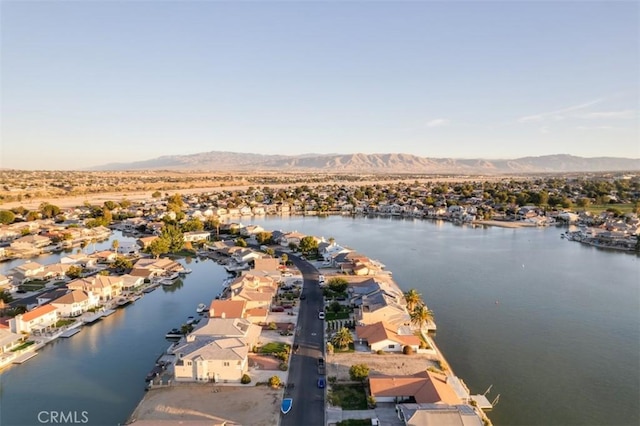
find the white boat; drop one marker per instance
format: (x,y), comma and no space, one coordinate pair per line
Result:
(185,271)
(167,282)
(201,308)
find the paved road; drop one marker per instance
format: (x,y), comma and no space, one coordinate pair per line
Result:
(308,400)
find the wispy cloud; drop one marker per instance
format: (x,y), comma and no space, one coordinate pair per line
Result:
(619,115)
(596,128)
(438,122)
(559,114)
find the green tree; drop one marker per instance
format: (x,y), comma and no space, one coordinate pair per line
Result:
(114,245)
(122,263)
(293,246)
(359,372)
(110,204)
(269,251)
(338,285)
(74,272)
(413,299)
(263,237)
(342,338)
(5,296)
(174,237)
(240,242)
(192,225)
(284,258)
(7,217)
(49,210)
(308,244)
(420,316)
(158,247)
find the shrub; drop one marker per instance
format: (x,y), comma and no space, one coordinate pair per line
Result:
(274,381)
(359,372)
(371,401)
(283,366)
(407,350)
(245,379)
(272,326)
(380,352)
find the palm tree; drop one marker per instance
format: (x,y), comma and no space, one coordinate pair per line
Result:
(342,338)
(413,299)
(421,315)
(115,244)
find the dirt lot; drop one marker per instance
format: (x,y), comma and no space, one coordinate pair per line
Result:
(237,405)
(338,364)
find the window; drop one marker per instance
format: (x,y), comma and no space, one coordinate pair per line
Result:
(392,346)
(226,364)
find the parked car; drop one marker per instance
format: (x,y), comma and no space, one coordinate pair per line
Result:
(321,383)
(321,315)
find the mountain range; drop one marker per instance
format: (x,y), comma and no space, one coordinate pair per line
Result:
(375,163)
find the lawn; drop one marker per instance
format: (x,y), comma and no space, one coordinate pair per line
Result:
(599,208)
(274,347)
(355,422)
(22,346)
(330,316)
(349,397)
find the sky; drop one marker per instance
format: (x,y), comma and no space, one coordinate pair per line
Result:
(95,82)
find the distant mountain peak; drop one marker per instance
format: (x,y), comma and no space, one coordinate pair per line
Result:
(375,163)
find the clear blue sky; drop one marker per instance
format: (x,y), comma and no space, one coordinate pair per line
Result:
(94,82)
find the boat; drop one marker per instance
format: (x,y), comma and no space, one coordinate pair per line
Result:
(185,271)
(201,308)
(174,333)
(167,282)
(191,320)
(287,403)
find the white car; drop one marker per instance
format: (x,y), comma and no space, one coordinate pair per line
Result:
(321,315)
(321,278)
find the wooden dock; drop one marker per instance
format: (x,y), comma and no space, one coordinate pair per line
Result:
(70,332)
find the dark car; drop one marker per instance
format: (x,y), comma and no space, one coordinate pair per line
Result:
(302,297)
(321,382)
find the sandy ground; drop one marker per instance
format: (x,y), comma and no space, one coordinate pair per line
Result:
(388,364)
(502,224)
(199,404)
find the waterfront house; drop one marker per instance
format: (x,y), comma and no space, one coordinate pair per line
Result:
(29,242)
(245,255)
(423,388)
(104,256)
(438,414)
(55,270)
(250,230)
(38,320)
(227,309)
(28,270)
(106,287)
(267,267)
(217,350)
(380,336)
(157,267)
(75,303)
(382,304)
(291,238)
(196,236)
(131,282)
(237,309)
(9,340)
(5,283)
(256,291)
(144,242)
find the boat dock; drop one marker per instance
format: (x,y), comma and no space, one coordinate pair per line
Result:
(70,332)
(24,358)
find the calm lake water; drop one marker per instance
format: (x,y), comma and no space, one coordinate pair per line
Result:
(561,346)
